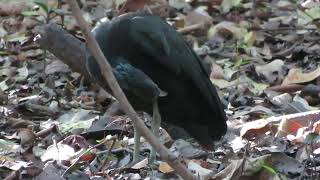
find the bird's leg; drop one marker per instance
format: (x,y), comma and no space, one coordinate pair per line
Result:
(155,125)
(136,150)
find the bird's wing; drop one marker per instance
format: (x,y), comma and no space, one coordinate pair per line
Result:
(165,45)
(151,36)
(157,39)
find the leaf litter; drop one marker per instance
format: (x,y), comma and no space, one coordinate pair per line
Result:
(262,56)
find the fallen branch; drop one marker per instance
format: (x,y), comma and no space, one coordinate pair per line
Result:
(191,28)
(64,46)
(106,70)
(288,88)
(40,109)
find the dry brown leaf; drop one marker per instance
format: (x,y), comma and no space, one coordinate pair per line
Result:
(195,17)
(141,164)
(216,72)
(290,124)
(316,127)
(254,128)
(297,76)
(227,29)
(165,168)
(282,130)
(26,136)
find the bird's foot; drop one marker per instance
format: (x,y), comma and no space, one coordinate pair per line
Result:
(155,125)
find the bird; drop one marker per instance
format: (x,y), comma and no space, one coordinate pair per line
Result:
(160,74)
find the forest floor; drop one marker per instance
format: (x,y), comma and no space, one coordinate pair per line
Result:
(263,57)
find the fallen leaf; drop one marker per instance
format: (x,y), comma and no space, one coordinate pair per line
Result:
(26,136)
(252,129)
(216,72)
(284,164)
(58,152)
(183,148)
(141,164)
(253,110)
(7,147)
(316,127)
(227,29)
(75,119)
(56,66)
(281,100)
(50,172)
(229,171)
(296,76)
(301,105)
(6,162)
(308,15)
(22,74)
(226,5)
(194,17)
(199,171)
(272,72)
(165,168)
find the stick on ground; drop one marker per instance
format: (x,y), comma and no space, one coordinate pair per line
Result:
(64,46)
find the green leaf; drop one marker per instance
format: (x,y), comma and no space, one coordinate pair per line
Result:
(269,169)
(307,16)
(240,62)
(29,13)
(311,137)
(249,38)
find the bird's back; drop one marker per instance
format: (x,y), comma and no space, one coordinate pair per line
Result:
(155,48)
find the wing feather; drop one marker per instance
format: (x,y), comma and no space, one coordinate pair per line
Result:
(175,54)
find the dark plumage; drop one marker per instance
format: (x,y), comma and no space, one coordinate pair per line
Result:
(148,56)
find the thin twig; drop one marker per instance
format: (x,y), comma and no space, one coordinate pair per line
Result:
(75,164)
(283,29)
(190,28)
(106,71)
(104,163)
